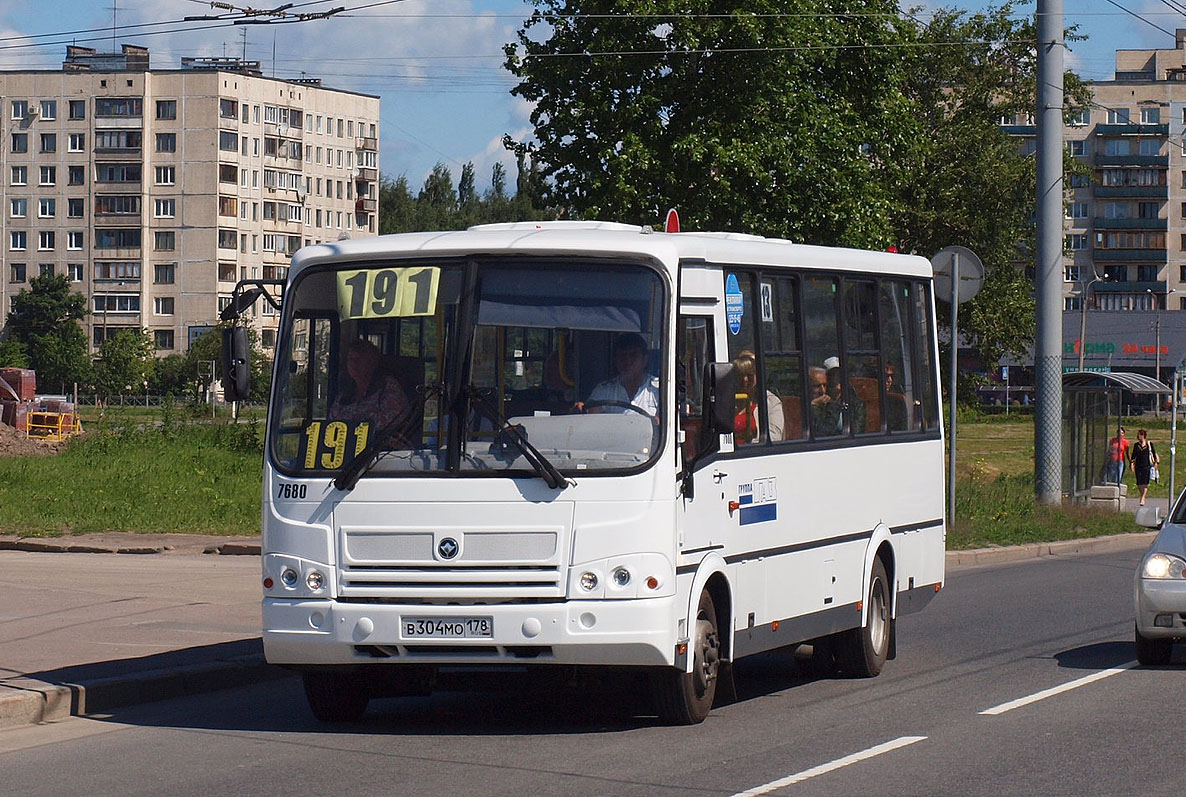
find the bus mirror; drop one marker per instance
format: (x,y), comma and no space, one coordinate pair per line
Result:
(236,364)
(718,396)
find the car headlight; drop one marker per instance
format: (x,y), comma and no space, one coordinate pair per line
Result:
(1162,565)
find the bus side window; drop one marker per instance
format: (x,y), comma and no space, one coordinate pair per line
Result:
(694,351)
(782,357)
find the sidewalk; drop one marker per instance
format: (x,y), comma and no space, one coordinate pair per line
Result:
(96,622)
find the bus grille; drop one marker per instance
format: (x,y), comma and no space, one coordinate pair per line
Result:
(467,583)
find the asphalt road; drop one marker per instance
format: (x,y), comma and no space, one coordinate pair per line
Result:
(998,639)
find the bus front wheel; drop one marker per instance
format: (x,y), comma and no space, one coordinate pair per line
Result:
(861,652)
(336,696)
(685,698)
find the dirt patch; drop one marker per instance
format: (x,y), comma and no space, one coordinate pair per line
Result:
(14,443)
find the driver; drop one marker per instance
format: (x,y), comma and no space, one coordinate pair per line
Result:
(633,385)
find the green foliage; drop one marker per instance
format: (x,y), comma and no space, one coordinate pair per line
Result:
(44,320)
(13,354)
(124,364)
(208,348)
(174,375)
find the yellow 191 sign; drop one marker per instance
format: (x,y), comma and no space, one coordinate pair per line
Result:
(388,292)
(325,443)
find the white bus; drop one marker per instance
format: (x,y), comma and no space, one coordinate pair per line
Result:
(588,444)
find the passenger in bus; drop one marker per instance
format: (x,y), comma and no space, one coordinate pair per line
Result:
(746,428)
(895,403)
(371,395)
(632,386)
(817,377)
(838,410)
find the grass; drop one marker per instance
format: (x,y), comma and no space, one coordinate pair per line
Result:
(136,477)
(173,470)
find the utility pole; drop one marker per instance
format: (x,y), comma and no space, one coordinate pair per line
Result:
(1048,273)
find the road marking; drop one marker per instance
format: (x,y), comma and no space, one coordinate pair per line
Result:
(1057,690)
(823,769)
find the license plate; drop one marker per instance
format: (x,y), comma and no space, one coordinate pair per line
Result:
(447,627)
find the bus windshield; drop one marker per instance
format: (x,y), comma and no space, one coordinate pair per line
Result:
(476,367)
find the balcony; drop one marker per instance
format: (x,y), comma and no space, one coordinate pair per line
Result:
(1154,161)
(1132,130)
(1130,255)
(1129,224)
(366,205)
(1155,191)
(367,175)
(369,143)
(1020,130)
(1158,287)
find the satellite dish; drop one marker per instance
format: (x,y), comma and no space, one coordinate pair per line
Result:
(971,273)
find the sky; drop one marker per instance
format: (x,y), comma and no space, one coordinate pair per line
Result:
(436,64)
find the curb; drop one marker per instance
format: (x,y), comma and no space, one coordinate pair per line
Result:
(27,701)
(1038,550)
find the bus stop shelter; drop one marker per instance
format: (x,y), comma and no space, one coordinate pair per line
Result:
(1092,406)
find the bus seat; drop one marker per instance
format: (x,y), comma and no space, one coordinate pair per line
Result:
(897,412)
(792,417)
(866,389)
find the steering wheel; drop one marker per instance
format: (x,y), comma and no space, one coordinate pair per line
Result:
(615,403)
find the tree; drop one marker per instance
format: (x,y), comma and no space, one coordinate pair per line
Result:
(13,354)
(44,320)
(837,123)
(397,206)
(173,375)
(125,363)
(208,348)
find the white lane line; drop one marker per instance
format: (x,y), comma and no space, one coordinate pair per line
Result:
(1057,690)
(823,769)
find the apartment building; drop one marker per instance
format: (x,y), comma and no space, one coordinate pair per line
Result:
(1125,225)
(155,191)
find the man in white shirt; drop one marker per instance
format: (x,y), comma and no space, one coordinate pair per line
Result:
(632,386)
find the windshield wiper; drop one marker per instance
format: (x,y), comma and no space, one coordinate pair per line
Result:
(542,466)
(348,478)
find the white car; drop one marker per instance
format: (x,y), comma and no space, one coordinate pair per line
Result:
(1160,587)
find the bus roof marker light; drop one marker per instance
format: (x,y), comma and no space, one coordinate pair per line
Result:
(672,222)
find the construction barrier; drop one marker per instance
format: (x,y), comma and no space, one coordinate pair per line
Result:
(52,425)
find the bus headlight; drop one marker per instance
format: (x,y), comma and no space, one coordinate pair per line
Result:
(621,576)
(315,580)
(636,575)
(588,581)
(289,577)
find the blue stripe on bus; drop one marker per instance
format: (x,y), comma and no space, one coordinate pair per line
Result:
(758,514)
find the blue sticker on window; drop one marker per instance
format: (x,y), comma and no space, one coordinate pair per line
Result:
(734,304)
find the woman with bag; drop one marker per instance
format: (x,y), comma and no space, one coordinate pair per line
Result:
(1144,461)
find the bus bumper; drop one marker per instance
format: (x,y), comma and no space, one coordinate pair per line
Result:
(608,632)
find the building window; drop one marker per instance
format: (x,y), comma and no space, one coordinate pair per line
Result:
(1147,273)
(20,175)
(166,142)
(162,305)
(76,174)
(45,240)
(118,106)
(18,240)
(1148,210)
(1075,242)
(118,270)
(49,175)
(45,270)
(117,238)
(165,241)
(227,239)
(74,271)
(20,109)
(164,273)
(118,173)
(49,142)
(78,109)
(18,208)
(16,272)
(164,208)
(228,206)
(1150,115)
(1077,210)
(166,175)
(227,173)
(226,273)
(1071,273)
(227,108)
(74,239)
(117,205)
(75,208)
(166,109)
(20,142)
(1079,118)
(162,338)
(108,140)
(76,142)
(227,141)
(49,109)
(1149,146)
(47,208)
(1119,116)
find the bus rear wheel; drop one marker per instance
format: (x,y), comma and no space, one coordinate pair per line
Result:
(685,698)
(861,652)
(336,696)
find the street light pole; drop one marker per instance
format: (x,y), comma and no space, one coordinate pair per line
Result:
(1083,314)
